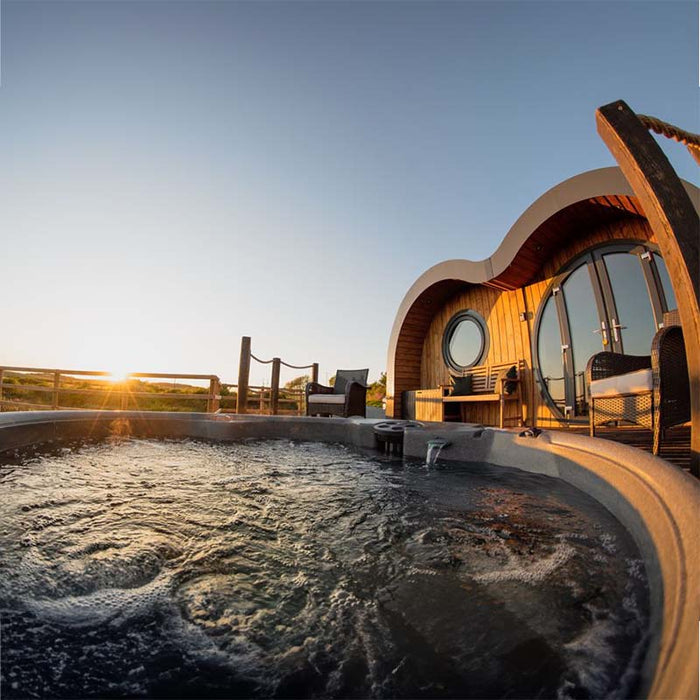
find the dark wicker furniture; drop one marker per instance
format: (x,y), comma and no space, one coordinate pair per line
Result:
(347,397)
(665,404)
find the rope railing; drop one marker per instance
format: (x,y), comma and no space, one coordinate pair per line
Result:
(262,362)
(296,366)
(244,376)
(282,362)
(690,140)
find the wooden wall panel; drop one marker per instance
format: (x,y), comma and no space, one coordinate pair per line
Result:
(510,338)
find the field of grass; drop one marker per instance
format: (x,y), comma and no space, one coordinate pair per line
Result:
(36,391)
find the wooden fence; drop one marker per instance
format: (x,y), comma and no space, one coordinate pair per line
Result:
(114,394)
(244,375)
(23,388)
(259,401)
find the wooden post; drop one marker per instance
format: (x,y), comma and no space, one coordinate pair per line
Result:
(243,376)
(675,224)
(314,378)
(2,372)
(56,383)
(214,395)
(124,398)
(275,386)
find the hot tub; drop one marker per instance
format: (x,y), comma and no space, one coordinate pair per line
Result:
(387,620)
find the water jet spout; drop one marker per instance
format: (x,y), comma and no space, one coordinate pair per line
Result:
(435,446)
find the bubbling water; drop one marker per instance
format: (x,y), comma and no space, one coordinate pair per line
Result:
(282,569)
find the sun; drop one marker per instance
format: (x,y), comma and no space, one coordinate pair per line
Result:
(117,375)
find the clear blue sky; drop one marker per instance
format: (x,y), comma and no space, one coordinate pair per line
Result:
(174,175)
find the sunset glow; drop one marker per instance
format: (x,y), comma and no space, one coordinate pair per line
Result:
(118,375)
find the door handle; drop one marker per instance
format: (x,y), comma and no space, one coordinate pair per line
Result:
(616,326)
(603,331)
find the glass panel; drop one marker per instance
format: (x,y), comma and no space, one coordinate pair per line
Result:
(634,308)
(583,323)
(466,343)
(550,357)
(666,283)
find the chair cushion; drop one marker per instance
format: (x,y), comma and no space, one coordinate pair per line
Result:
(510,373)
(639,382)
(462,386)
(327,398)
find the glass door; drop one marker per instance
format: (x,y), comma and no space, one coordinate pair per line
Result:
(587,327)
(635,313)
(610,299)
(573,326)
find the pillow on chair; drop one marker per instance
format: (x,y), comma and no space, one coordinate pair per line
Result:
(511,373)
(640,381)
(462,386)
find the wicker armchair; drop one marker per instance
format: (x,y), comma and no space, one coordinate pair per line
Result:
(671,383)
(650,390)
(347,396)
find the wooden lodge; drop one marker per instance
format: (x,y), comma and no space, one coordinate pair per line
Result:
(580,272)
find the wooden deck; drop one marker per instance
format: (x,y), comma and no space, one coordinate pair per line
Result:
(675,447)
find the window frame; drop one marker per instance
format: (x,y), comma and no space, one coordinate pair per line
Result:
(593,258)
(458,318)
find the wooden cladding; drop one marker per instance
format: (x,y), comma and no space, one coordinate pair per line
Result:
(424,405)
(407,365)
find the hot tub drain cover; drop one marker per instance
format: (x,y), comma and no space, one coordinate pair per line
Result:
(389,434)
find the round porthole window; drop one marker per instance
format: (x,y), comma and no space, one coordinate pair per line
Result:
(465,341)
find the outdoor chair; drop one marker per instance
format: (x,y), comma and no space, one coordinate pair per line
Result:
(650,390)
(347,396)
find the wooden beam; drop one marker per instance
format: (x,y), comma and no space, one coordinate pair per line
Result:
(56,385)
(275,386)
(243,376)
(214,401)
(676,225)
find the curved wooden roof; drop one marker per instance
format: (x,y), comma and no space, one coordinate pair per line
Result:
(579,203)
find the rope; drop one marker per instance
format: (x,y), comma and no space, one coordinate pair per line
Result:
(262,362)
(296,366)
(689,139)
(282,362)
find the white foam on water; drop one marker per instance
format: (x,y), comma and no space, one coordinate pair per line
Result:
(234,650)
(635,569)
(532,573)
(590,656)
(608,543)
(101,606)
(77,569)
